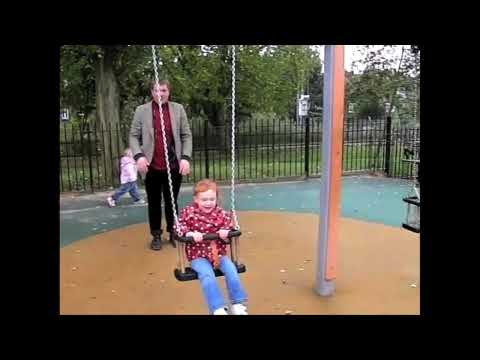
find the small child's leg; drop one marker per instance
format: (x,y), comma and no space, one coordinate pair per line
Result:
(120,192)
(211,290)
(134,191)
(235,288)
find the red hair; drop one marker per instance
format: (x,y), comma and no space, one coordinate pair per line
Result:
(205,185)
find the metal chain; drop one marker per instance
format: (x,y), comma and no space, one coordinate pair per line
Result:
(235,219)
(415,165)
(165,149)
(415,102)
(154,56)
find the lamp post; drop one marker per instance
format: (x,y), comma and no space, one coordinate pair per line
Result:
(89,149)
(388,139)
(303,107)
(64,115)
(387,106)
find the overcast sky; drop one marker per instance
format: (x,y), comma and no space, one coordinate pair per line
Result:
(352,54)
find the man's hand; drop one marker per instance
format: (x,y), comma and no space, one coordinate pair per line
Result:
(184,167)
(142,165)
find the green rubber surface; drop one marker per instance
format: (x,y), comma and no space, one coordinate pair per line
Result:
(373,199)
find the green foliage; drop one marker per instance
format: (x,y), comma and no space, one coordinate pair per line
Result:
(267,77)
(386,78)
(77,77)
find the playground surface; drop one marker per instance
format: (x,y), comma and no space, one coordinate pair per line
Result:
(106,266)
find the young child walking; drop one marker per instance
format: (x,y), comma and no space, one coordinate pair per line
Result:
(128,180)
(204,216)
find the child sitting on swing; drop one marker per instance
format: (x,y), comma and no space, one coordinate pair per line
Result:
(204,216)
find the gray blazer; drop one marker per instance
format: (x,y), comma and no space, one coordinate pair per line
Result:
(142,138)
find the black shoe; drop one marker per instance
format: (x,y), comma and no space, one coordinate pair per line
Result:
(156,242)
(172,240)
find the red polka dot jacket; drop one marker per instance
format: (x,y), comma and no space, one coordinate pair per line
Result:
(194,219)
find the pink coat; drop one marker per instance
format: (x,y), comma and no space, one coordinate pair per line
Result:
(128,170)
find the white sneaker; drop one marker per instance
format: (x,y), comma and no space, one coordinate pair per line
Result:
(239,309)
(220,311)
(111,202)
(141,201)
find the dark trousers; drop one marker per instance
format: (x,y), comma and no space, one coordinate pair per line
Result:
(156,185)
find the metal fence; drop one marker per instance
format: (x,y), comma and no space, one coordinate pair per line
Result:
(267,149)
(379,147)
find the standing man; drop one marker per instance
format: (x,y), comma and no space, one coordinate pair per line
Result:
(146,142)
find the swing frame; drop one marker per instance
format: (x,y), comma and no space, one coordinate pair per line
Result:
(412,220)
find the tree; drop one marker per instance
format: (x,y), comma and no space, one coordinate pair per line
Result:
(108,103)
(267,80)
(389,76)
(83,66)
(77,81)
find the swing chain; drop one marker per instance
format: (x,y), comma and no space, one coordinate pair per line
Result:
(165,149)
(234,214)
(235,219)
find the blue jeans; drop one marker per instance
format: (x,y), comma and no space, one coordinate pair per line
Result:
(211,291)
(130,187)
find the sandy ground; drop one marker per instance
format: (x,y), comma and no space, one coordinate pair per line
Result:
(378,271)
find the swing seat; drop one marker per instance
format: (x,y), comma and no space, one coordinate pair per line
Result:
(191,274)
(413,214)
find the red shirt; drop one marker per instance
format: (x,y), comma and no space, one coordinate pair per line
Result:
(158,161)
(194,219)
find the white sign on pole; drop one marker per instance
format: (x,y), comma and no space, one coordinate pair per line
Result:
(303,105)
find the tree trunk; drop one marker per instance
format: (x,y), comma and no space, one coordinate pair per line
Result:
(108,114)
(216,117)
(393,99)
